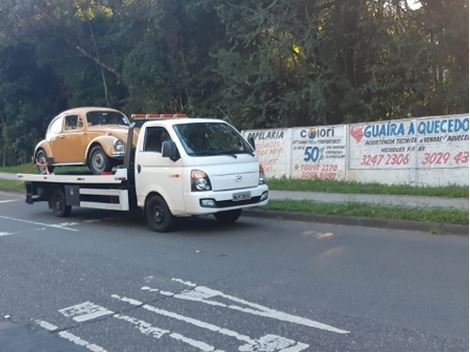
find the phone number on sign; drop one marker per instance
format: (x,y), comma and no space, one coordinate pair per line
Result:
(385,159)
(440,158)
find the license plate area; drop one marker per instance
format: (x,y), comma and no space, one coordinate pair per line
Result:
(239,196)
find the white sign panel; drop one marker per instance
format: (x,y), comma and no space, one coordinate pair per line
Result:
(382,145)
(319,152)
(442,142)
(273,149)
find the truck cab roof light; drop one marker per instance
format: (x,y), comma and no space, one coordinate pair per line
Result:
(154,115)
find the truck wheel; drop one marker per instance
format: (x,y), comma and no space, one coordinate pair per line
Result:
(98,161)
(158,215)
(228,217)
(41,163)
(57,203)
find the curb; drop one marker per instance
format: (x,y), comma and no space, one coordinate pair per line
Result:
(434,228)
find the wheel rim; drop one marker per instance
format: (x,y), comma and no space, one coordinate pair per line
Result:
(41,160)
(58,203)
(98,161)
(158,213)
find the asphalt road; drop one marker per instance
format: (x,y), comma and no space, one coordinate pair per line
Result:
(101,281)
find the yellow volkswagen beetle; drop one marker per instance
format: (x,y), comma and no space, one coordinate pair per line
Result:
(89,136)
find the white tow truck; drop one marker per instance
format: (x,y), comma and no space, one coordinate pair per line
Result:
(180,167)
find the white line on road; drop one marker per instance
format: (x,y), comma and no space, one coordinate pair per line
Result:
(70,337)
(202,294)
(55,226)
(272,343)
(6,234)
(8,201)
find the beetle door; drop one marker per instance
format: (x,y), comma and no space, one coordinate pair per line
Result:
(69,145)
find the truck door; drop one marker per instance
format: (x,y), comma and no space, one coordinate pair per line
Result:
(153,173)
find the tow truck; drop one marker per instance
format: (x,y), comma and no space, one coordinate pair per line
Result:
(180,167)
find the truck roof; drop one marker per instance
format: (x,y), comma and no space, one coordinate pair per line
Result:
(179,121)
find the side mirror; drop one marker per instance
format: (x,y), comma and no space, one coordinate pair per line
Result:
(251,140)
(169,150)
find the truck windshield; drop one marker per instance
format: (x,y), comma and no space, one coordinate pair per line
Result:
(106,118)
(211,138)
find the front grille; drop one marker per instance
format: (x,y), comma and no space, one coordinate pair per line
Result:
(231,203)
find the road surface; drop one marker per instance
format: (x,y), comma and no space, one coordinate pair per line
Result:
(101,281)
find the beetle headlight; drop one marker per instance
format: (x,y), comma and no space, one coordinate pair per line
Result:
(119,145)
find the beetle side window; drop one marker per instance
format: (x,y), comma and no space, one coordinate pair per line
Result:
(56,126)
(154,137)
(72,122)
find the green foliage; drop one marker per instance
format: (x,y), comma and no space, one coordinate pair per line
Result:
(257,63)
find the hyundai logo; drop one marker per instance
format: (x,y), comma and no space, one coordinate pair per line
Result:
(238,178)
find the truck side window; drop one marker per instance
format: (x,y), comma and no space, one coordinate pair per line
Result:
(154,137)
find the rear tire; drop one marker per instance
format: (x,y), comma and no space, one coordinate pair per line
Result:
(158,215)
(98,161)
(41,158)
(228,217)
(58,204)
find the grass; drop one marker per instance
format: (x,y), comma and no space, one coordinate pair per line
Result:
(11,185)
(436,215)
(366,188)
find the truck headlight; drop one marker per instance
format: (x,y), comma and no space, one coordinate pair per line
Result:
(200,181)
(119,145)
(261,180)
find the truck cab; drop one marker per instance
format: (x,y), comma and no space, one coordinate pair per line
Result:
(187,167)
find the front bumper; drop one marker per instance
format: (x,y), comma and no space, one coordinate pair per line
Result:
(118,155)
(223,200)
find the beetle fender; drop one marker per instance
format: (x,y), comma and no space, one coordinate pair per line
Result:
(44,144)
(106,143)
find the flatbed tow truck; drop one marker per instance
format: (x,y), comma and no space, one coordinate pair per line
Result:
(180,167)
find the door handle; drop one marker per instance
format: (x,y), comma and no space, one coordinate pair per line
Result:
(139,169)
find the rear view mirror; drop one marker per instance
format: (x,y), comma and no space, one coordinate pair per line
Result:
(251,140)
(169,150)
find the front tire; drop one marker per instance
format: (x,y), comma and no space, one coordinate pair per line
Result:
(158,215)
(98,161)
(41,163)
(228,217)
(58,204)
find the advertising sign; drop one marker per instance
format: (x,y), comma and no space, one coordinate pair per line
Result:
(273,149)
(382,145)
(436,142)
(319,152)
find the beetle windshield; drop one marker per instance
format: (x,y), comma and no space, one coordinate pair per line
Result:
(211,138)
(106,118)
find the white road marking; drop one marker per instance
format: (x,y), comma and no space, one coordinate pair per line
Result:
(85,311)
(147,329)
(45,325)
(202,294)
(88,310)
(70,337)
(6,234)
(144,327)
(268,343)
(187,283)
(8,201)
(55,226)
